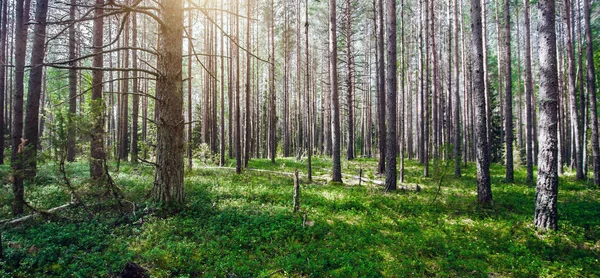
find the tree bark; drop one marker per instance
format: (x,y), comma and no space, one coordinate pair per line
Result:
(575,118)
(35,89)
(135,98)
(528,94)
(97,153)
(190,48)
(335,101)
(381,87)
(349,82)
(168,184)
(457,124)
(508,112)
(546,215)
(484,191)
(591,86)
(18,142)
(391,87)
(72,86)
(3,92)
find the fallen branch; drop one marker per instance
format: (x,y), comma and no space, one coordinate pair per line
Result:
(24,218)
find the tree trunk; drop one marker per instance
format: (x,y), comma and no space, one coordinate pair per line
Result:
(484,191)
(72,86)
(238,144)
(528,94)
(18,142)
(124,96)
(97,153)
(575,119)
(335,101)
(135,98)
(349,82)
(272,95)
(309,112)
(391,87)
(457,126)
(546,215)
(3,92)
(508,113)
(168,184)
(35,89)
(591,86)
(381,87)
(190,51)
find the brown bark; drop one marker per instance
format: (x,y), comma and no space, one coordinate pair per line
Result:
(35,89)
(97,153)
(168,184)
(457,123)
(72,87)
(591,86)
(575,117)
(335,102)
(18,142)
(484,192)
(546,215)
(190,50)
(380,87)
(508,112)
(528,94)
(391,87)
(135,98)
(3,92)
(349,81)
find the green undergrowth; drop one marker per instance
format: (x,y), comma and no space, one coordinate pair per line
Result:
(243,226)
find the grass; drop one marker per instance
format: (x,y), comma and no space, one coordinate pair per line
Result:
(243,226)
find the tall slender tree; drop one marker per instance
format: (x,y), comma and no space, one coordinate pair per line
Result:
(546,215)
(18,142)
(3,92)
(591,86)
(575,117)
(508,106)
(335,101)
(391,93)
(528,93)
(97,151)
(380,86)
(484,191)
(72,85)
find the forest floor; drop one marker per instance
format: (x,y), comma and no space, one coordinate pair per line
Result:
(243,226)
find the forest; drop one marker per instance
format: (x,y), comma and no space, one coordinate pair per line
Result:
(305,138)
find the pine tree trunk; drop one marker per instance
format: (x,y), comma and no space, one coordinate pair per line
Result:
(381,87)
(457,124)
(72,87)
(484,192)
(591,86)
(190,61)
(349,82)
(391,87)
(3,105)
(508,112)
(168,183)
(335,101)
(135,98)
(575,118)
(18,142)
(546,215)
(97,153)
(35,89)
(528,94)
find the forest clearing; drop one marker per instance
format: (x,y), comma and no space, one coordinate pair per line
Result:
(306,138)
(244,226)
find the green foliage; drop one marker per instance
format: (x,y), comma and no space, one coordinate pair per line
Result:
(243,225)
